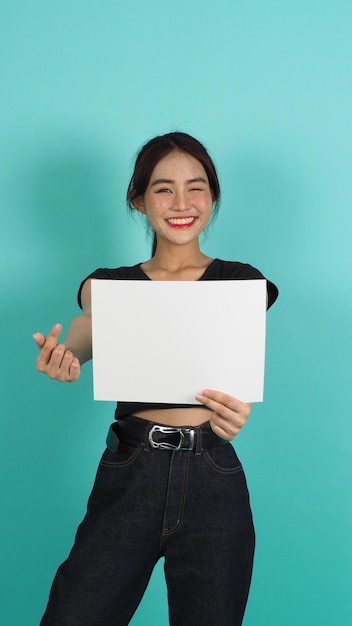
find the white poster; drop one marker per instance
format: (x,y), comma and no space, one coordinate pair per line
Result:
(156,341)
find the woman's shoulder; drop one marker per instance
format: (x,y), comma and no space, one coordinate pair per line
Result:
(132,272)
(232,270)
(235,270)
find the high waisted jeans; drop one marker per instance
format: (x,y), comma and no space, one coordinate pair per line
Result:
(190,508)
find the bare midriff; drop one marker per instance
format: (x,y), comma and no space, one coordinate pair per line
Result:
(176,417)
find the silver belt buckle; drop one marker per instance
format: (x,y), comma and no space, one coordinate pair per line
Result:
(163,445)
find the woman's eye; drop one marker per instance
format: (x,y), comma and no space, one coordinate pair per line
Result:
(163,190)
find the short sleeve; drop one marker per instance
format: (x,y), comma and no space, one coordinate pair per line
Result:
(99,273)
(273,292)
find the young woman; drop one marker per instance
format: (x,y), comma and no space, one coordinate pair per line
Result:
(177,492)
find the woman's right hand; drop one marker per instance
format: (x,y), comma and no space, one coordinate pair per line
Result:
(54,360)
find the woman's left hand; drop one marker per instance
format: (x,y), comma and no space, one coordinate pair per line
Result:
(229,414)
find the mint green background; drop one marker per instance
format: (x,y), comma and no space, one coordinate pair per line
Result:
(267,87)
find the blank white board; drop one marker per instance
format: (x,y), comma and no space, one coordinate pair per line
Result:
(161,341)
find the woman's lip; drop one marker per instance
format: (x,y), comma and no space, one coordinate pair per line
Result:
(180,221)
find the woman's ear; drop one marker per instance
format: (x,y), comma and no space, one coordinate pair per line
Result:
(138,204)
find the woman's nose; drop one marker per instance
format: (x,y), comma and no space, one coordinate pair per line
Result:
(182,202)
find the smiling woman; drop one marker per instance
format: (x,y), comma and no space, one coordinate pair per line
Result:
(152,154)
(169,483)
(178,197)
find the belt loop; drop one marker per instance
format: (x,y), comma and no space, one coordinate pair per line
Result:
(199,441)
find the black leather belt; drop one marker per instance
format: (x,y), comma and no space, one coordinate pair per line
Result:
(161,437)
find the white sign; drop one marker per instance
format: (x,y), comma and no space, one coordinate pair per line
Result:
(161,341)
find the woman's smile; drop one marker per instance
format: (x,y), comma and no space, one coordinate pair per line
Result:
(181,222)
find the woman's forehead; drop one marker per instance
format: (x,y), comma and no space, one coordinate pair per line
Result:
(179,164)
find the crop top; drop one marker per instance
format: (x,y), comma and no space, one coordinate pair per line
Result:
(217,270)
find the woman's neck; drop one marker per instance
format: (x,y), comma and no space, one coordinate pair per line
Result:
(176,263)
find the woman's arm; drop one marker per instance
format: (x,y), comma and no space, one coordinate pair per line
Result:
(62,360)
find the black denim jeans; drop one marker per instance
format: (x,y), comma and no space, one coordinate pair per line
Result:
(190,508)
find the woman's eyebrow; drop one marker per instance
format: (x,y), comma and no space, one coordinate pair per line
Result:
(162,180)
(199,179)
(169,181)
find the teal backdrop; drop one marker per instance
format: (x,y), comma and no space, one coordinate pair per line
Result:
(267,87)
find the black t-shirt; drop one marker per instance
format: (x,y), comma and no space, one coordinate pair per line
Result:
(217,270)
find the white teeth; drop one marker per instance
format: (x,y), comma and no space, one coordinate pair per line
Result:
(180,220)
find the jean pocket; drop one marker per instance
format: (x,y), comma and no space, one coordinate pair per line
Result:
(223,459)
(124,455)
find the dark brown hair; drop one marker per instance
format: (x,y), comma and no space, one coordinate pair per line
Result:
(155,150)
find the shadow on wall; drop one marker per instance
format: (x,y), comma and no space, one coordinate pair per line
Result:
(72,208)
(70,200)
(64,220)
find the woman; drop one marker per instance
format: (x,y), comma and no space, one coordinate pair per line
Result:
(177,492)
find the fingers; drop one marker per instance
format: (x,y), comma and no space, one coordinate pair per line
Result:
(39,339)
(229,414)
(74,370)
(68,369)
(218,401)
(225,428)
(51,339)
(54,360)
(47,346)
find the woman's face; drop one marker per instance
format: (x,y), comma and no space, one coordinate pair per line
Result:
(178,201)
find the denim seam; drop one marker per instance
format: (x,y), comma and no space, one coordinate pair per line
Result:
(129,461)
(218,468)
(167,532)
